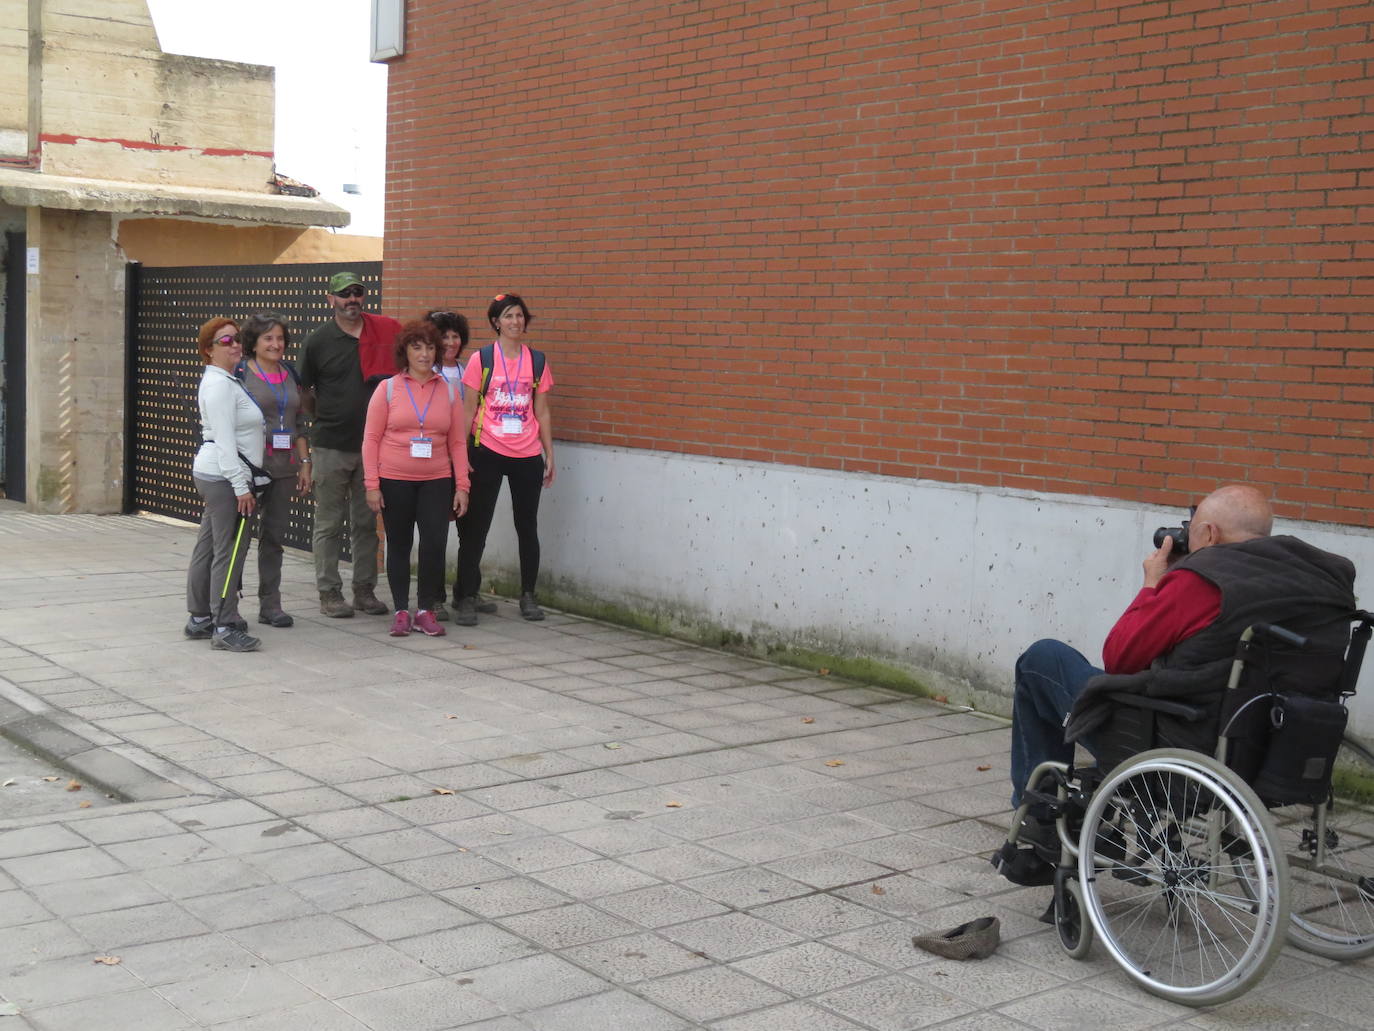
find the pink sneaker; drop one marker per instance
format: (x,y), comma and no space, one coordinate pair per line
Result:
(428,625)
(401,625)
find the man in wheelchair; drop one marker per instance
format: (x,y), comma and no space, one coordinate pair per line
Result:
(1176,640)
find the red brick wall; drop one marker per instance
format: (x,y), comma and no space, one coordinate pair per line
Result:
(1122,249)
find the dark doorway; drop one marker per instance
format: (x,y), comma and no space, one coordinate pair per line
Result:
(12,405)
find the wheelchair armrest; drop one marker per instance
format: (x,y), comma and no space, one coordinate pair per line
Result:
(1189,713)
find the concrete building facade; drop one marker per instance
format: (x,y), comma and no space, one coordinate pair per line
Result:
(895,329)
(99,131)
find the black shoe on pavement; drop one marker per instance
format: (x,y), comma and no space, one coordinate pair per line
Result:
(529,608)
(465,612)
(486,606)
(274,617)
(232,639)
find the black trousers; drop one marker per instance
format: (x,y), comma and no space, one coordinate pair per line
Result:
(409,505)
(526,476)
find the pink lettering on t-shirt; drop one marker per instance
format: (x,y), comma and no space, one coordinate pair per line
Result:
(509,425)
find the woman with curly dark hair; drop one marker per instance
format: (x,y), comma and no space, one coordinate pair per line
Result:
(415,469)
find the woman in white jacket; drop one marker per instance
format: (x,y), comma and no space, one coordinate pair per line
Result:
(231,430)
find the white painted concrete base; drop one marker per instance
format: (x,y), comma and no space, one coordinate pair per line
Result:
(936,577)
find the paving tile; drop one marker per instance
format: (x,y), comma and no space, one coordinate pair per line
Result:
(543,853)
(184,959)
(614,1009)
(337,891)
(212,815)
(59,981)
(465,948)
(96,895)
(808,968)
(506,896)
(281,940)
(17,907)
(895,1003)
(432,1005)
(247,906)
(210,877)
(265,836)
(396,845)
(69,865)
(354,971)
(817,915)
(828,869)
(1075,1007)
(661,905)
(137,926)
(594,879)
(635,957)
(731,936)
(171,850)
(681,862)
(565,926)
(320,1015)
(462,867)
(287,865)
(406,917)
(519,985)
(710,993)
(747,887)
(46,939)
(234,995)
(141,1009)
(801,1015)
(351,823)
(126,827)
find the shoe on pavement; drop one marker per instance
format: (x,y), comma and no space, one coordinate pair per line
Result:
(276,618)
(465,611)
(232,639)
(428,625)
(486,606)
(529,608)
(365,600)
(401,625)
(440,612)
(199,628)
(332,604)
(976,939)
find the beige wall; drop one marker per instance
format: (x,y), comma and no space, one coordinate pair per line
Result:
(14,68)
(111,105)
(74,437)
(168,242)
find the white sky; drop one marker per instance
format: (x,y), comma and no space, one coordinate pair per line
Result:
(331,101)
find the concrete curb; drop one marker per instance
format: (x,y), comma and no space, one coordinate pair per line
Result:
(123,770)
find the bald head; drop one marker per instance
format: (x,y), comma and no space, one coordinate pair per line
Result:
(1238,512)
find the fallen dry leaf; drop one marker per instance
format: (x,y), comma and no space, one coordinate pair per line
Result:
(984,768)
(84,805)
(450,716)
(942,699)
(73,785)
(7,783)
(673,805)
(878,889)
(808,719)
(109,961)
(611,744)
(443,791)
(50,779)
(469,647)
(823,671)
(834,762)
(461,849)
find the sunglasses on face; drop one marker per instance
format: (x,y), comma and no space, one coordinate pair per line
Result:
(352,291)
(227,340)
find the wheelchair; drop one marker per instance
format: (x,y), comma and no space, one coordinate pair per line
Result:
(1191,869)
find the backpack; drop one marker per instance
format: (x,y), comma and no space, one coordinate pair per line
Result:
(487,355)
(391,385)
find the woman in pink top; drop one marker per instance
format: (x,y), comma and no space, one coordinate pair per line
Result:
(512,438)
(415,469)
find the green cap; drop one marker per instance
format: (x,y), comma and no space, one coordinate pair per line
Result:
(343,280)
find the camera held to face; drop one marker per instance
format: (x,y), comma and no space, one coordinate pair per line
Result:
(1178,533)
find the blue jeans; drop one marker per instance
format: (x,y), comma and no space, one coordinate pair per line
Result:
(1049,676)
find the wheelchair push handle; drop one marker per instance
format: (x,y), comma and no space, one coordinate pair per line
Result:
(1278,633)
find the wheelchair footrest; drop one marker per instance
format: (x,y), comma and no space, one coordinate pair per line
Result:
(1023,866)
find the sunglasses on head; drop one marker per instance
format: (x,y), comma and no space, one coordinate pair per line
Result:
(351,291)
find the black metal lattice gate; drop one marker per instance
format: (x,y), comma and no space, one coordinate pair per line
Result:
(167,307)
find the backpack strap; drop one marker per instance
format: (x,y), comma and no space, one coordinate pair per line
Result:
(487,356)
(537,362)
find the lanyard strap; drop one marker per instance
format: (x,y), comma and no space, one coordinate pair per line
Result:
(419,414)
(505,373)
(281,398)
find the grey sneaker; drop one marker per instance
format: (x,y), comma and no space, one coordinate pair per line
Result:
(275,617)
(232,639)
(365,600)
(332,604)
(529,608)
(440,612)
(199,628)
(465,612)
(486,606)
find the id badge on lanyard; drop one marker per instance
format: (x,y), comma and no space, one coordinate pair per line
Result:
(511,425)
(281,440)
(421,447)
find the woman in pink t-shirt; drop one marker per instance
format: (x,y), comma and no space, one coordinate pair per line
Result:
(415,468)
(511,438)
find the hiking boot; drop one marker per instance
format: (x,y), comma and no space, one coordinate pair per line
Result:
(401,625)
(485,606)
(465,611)
(232,639)
(529,608)
(428,625)
(199,628)
(276,618)
(440,612)
(332,604)
(364,600)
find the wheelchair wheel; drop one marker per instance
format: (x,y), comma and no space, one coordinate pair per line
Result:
(1075,932)
(1180,879)
(1330,851)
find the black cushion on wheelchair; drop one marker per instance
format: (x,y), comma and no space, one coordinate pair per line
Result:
(1023,866)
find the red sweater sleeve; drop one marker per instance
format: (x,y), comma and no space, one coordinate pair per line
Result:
(1159,618)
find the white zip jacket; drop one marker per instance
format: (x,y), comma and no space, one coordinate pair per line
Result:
(230,422)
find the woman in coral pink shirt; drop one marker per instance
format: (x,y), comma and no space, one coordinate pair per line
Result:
(415,469)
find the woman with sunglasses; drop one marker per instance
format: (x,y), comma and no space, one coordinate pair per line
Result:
(272,383)
(232,435)
(415,469)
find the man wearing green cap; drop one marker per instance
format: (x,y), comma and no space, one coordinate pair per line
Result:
(340,363)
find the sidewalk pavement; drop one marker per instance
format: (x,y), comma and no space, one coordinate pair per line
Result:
(563,826)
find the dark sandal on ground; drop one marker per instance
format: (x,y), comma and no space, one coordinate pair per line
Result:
(977,939)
